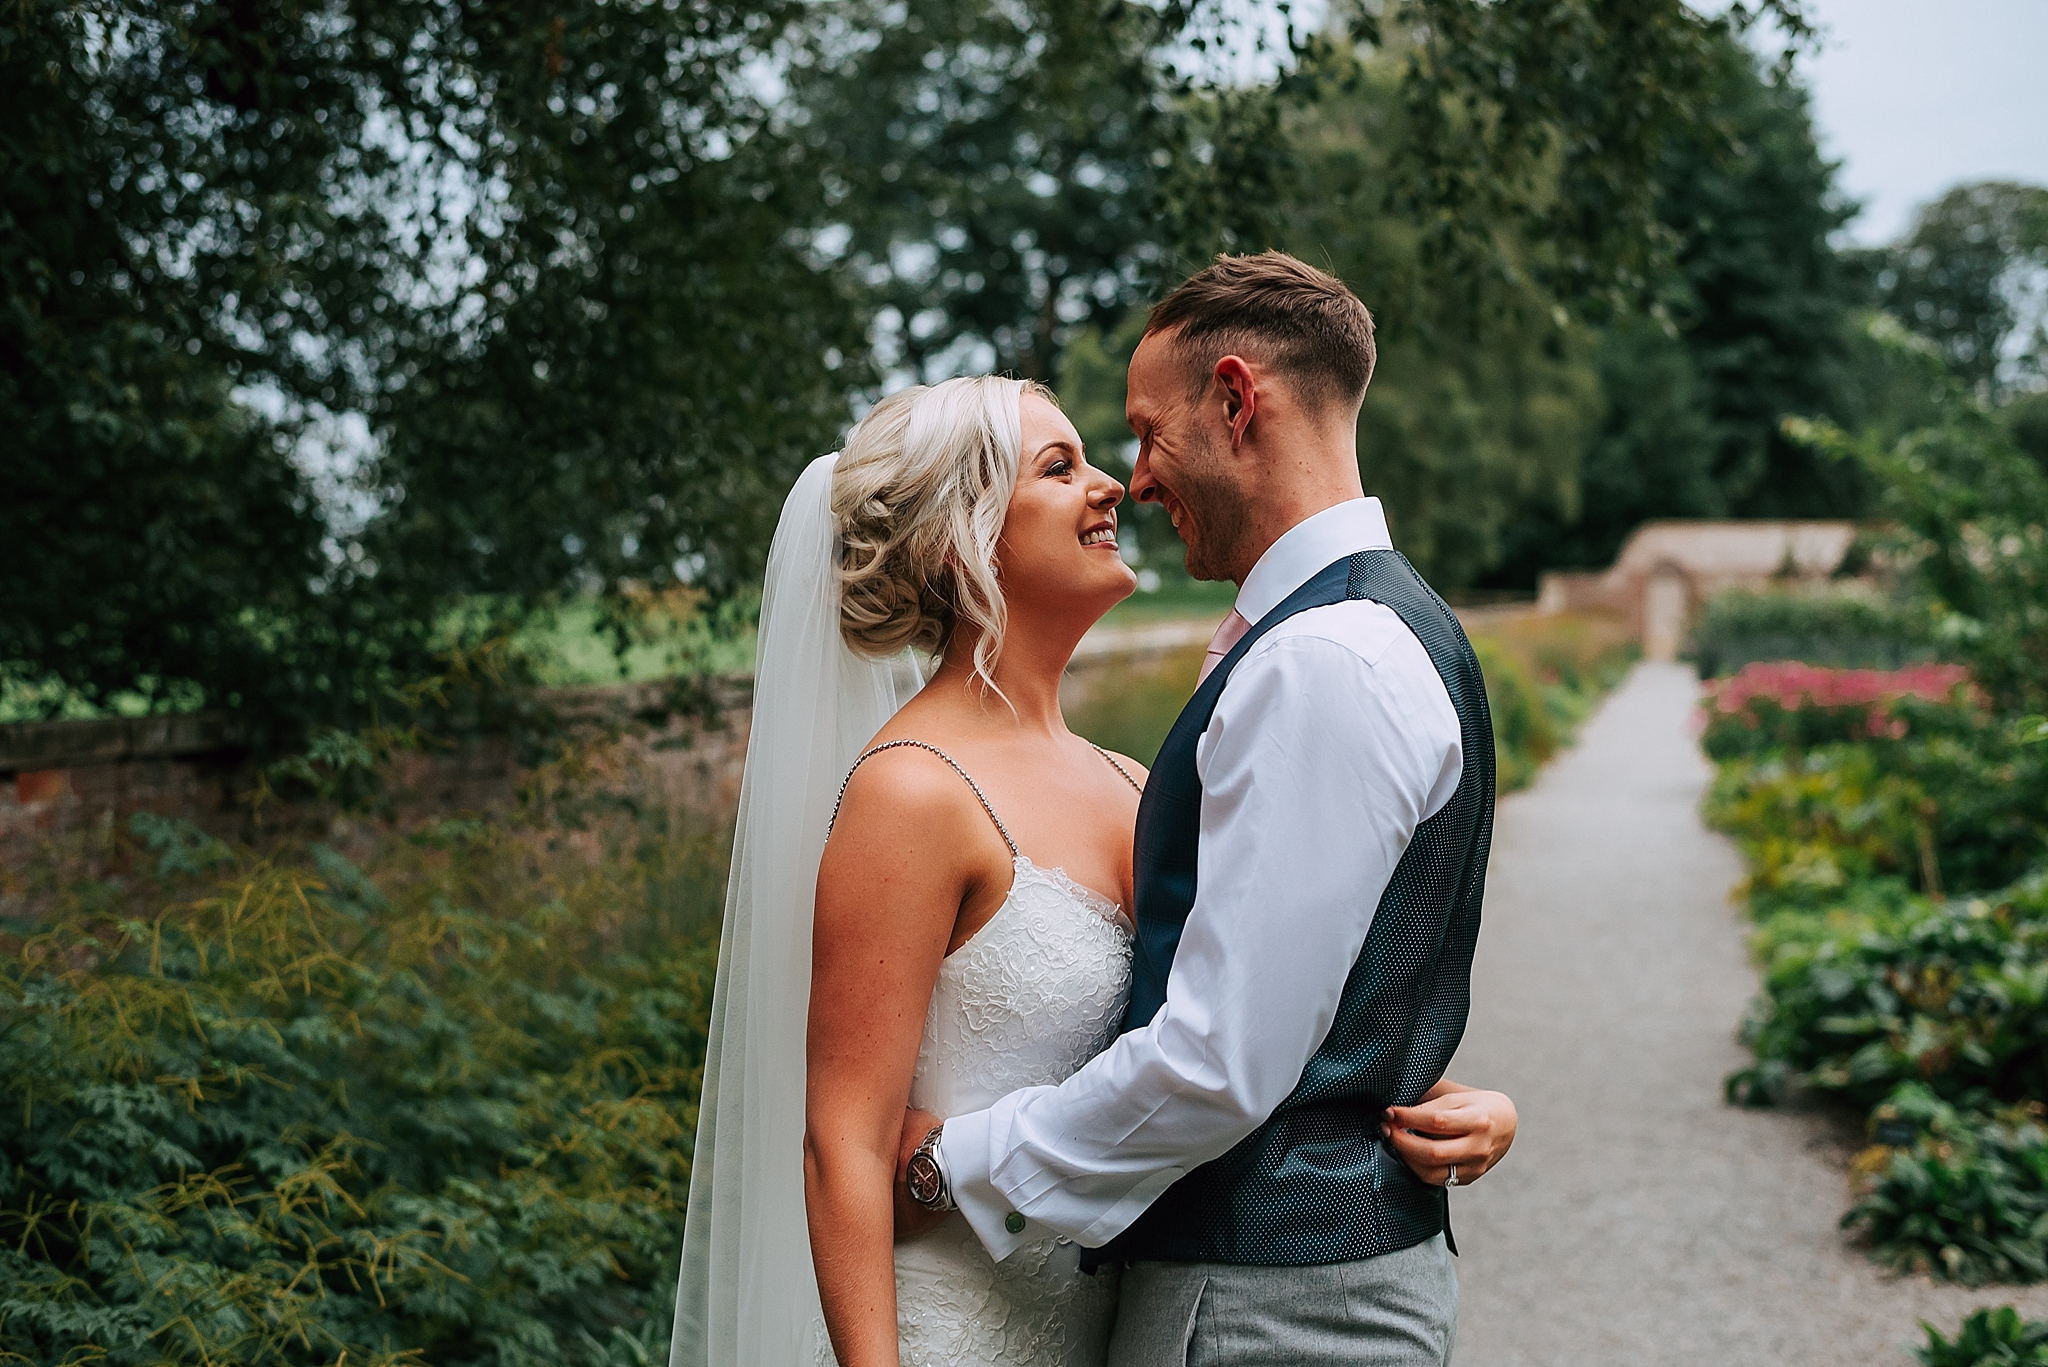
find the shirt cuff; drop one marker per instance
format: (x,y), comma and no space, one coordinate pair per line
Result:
(963,1157)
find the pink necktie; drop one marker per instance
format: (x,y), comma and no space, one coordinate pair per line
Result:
(1227,635)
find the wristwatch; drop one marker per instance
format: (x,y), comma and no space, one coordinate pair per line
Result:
(925,1178)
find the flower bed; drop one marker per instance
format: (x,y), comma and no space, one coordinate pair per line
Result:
(1865,802)
(1896,829)
(1785,703)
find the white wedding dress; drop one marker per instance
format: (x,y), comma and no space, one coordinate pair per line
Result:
(1037,992)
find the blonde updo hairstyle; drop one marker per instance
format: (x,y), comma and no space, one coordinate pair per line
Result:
(919,496)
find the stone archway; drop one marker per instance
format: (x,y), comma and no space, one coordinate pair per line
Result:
(1666,600)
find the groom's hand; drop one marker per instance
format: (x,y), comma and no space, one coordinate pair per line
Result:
(1454,1126)
(912,1219)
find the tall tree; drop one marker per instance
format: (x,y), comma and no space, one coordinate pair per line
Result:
(1010,175)
(165,238)
(642,352)
(1972,277)
(1755,323)
(1564,154)
(1767,303)
(1482,398)
(547,263)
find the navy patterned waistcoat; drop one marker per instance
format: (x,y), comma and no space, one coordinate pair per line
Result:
(1316,1183)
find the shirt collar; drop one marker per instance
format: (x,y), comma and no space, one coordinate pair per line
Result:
(1309,546)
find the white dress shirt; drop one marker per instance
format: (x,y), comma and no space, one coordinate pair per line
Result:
(1333,739)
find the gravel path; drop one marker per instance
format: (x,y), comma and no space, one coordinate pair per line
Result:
(1639,1220)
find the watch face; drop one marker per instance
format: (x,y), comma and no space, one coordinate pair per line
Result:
(924,1179)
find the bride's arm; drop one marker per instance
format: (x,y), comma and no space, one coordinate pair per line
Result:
(889,889)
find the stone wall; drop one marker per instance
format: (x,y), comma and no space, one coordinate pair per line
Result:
(1666,570)
(59,778)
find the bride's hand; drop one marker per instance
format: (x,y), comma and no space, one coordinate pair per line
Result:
(1453,1126)
(912,1219)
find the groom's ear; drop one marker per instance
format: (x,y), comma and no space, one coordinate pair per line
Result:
(1240,396)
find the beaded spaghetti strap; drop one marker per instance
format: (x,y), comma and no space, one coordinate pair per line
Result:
(1118,767)
(926,745)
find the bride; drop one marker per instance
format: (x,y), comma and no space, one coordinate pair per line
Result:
(931,877)
(998,841)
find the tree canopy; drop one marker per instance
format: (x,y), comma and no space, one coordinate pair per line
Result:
(323,315)
(336,329)
(1972,276)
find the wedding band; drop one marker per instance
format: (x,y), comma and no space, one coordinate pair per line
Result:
(1452,1180)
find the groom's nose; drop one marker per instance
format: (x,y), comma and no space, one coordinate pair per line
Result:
(1144,488)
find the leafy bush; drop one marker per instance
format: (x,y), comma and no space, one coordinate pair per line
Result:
(1988,1338)
(1895,989)
(1958,803)
(1968,1198)
(422,1105)
(1544,674)
(1972,514)
(1738,629)
(1525,732)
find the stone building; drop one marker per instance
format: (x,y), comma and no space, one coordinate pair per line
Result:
(1665,570)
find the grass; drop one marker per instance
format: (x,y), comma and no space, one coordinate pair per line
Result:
(565,647)
(570,647)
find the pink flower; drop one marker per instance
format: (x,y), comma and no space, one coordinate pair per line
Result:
(1792,685)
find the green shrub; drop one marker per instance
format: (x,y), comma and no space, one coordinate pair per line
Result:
(1950,996)
(1950,814)
(1813,825)
(1525,734)
(1988,1338)
(418,1106)
(1544,674)
(1740,628)
(1967,1199)
(1972,514)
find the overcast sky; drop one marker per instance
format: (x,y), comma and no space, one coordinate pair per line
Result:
(1915,96)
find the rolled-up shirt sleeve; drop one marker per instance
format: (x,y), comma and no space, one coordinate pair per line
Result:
(1317,766)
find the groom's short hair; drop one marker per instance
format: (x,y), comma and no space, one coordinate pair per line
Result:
(1274,308)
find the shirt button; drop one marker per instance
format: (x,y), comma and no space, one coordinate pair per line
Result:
(1014,1222)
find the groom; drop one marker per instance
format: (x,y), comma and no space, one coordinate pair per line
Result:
(1268,1148)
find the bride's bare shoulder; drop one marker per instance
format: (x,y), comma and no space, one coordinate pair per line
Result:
(904,784)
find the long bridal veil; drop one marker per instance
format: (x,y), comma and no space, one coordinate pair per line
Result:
(748,1296)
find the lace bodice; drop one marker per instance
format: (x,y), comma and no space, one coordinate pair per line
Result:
(1035,994)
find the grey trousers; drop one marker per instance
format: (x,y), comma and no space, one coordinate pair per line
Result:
(1396,1310)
